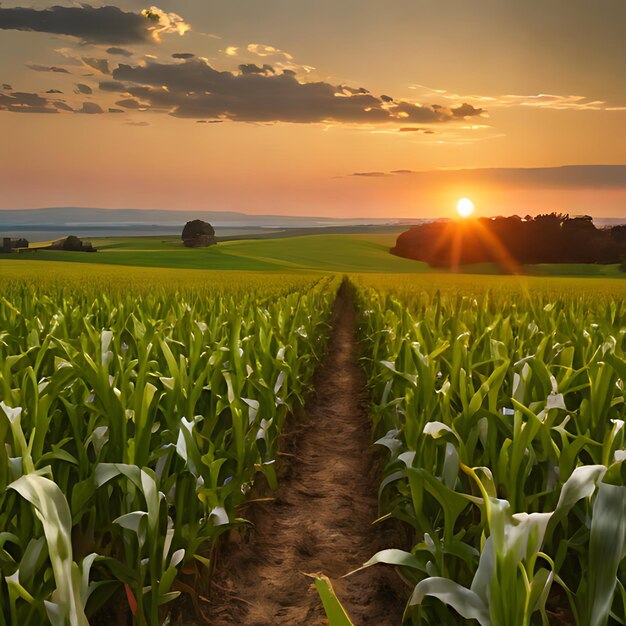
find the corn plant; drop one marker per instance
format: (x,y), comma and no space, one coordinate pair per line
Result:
(133,424)
(527,389)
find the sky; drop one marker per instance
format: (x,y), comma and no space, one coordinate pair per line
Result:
(352,108)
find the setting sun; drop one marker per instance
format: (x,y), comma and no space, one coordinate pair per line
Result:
(464,207)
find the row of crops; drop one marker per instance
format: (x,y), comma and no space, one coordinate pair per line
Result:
(502,419)
(133,421)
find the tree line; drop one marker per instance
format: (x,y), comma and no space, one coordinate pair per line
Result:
(546,238)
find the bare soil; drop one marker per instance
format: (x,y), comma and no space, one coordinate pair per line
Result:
(321,518)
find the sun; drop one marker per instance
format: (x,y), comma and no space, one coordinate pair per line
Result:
(464,207)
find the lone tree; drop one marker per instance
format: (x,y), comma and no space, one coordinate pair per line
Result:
(73,244)
(198,234)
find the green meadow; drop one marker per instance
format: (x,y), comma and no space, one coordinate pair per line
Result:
(346,253)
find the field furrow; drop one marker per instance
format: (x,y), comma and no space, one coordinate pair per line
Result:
(321,519)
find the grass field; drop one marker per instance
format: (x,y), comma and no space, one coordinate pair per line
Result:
(324,253)
(334,253)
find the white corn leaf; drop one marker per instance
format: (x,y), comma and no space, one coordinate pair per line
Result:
(464,601)
(52,509)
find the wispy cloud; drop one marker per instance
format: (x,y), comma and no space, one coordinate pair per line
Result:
(263,50)
(564,177)
(279,59)
(46,68)
(537,101)
(100,65)
(123,52)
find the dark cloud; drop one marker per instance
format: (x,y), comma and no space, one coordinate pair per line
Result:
(564,177)
(252,68)
(194,89)
(122,52)
(102,65)
(465,110)
(183,55)
(129,103)
(84,89)
(359,90)
(90,108)
(23,102)
(106,24)
(46,68)
(7,86)
(54,91)
(112,110)
(62,106)
(112,85)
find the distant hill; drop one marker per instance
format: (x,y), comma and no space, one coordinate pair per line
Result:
(94,217)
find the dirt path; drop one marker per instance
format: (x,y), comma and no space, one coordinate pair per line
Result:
(321,518)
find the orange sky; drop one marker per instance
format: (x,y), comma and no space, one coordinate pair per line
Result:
(307,96)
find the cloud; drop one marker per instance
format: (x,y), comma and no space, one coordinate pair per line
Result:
(99,25)
(26,102)
(265,51)
(90,108)
(371,174)
(535,101)
(112,85)
(165,23)
(129,103)
(100,65)
(253,68)
(231,51)
(194,89)
(564,177)
(416,129)
(23,102)
(122,52)
(84,89)
(46,68)
(282,59)
(463,111)
(134,123)
(183,55)
(63,106)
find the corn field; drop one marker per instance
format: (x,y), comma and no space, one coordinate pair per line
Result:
(501,414)
(133,421)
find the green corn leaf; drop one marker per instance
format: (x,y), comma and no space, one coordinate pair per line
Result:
(607,543)
(335,613)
